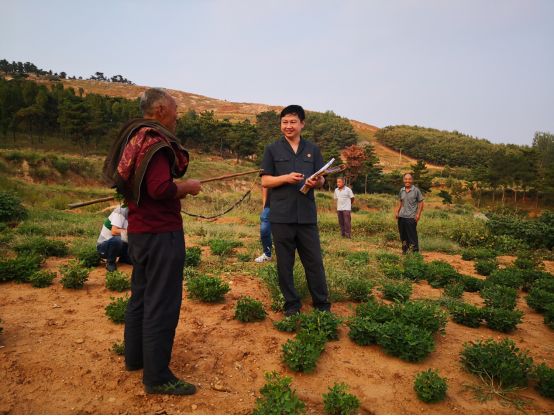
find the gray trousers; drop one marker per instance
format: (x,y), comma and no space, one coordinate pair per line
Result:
(345,222)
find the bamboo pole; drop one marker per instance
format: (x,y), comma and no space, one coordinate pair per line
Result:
(217,178)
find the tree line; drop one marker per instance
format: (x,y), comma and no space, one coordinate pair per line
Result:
(24,69)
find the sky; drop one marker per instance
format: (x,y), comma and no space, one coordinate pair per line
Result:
(483,68)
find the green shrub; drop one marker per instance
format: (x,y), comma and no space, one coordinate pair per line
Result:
(42,246)
(359,290)
(478,253)
(11,210)
(414,267)
(440,274)
(549,315)
(207,288)
(277,397)
(221,247)
(399,291)
(538,299)
(388,258)
(486,266)
(407,342)
(288,324)
(119,347)
(527,262)
(88,256)
(19,269)
(497,296)
(471,284)
(74,275)
(302,352)
(531,276)
(454,290)
(359,258)
(545,380)
(363,331)
(42,278)
(545,283)
(117,281)
(193,256)
(502,363)
(392,271)
(466,314)
(116,309)
(339,402)
(502,320)
(249,310)
(509,276)
(423,314)
(376,312)
(321,322)
(430,387)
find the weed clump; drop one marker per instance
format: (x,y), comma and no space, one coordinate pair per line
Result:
(471,284)
(207,288)
(19,269)
(501,364)
(338,401)
(277,397)
(302,352)
(193,256)
(441,274)
(321,322)
(11,210)
(359,258)
(497,296)
(414,267)
(74,275)
(545,380)
(502,320)
(478,253)
(43,247)
(466,314)
(42,278)
(430,387)
(221,247)
(249,310)
(398,291)
(509,276)
(88,256)
(486,266)
(359,290)
(405,341)
(117,281)
(363,331)
(376,312)
(539,299)
(118,348)
(116,309)
(423,314)
(454,290)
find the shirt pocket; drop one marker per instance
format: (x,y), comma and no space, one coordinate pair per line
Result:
(283,165)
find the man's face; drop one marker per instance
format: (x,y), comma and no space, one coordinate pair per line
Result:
(408,180)
(291,126)
(167,114)
(340,183)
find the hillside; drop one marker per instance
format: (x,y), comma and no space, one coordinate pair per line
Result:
(389,158)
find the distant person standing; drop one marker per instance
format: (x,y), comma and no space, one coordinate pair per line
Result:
(408,212)
(265,229)
(345,199)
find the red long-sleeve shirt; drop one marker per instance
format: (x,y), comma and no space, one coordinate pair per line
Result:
(159,210)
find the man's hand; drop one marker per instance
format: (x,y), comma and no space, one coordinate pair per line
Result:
(317,182)
(293,177)
(417,218)
(189,186)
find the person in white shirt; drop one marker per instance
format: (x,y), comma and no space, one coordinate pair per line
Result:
(345,199)
(112,242)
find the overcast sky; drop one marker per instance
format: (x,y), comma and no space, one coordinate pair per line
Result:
(482,67)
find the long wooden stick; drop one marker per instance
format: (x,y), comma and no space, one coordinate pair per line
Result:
(218,178)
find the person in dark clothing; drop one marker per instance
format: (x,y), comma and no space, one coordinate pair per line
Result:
(144,166)
(408,212)
(287,165)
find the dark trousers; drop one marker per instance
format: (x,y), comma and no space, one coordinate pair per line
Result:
(408,234)
(345,222)
(112,249)
(153,310)
(287,238)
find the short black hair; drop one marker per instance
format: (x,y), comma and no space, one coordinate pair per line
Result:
(294,110)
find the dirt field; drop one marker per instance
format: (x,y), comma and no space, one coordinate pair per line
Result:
(55,357)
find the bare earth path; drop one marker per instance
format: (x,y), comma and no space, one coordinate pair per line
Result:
(55,357)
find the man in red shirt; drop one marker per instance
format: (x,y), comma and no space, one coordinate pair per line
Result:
(145,160)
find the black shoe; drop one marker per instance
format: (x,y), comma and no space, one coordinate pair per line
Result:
(111,267)
(176,388)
